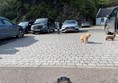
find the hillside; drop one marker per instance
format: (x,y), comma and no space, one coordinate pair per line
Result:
(22,10)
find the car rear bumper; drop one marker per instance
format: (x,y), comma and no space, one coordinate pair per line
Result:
(85,25)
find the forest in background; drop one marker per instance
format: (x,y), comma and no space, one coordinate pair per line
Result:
(59,10)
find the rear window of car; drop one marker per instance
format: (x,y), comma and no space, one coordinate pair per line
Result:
(6,22)
(69,22)
(1,22)
(23,23)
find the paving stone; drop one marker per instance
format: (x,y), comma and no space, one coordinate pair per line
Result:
(110,65)
(101,65)
(91,64)
(52,64)
(61,50)
(58,64)
(70,64)
(46,64)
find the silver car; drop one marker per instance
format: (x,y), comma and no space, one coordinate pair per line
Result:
(85,24)
(70,25)
(9,29)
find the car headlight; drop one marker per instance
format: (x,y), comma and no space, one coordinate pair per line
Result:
(23,27)
(63,28)
(32,28)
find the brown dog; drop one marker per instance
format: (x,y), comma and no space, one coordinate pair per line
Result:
(84,37)
(111,37)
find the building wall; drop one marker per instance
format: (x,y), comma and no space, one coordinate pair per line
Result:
(101,21)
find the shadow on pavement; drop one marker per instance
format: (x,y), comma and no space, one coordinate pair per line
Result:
(9,45)
(83,31)
(7,40)
(94,43)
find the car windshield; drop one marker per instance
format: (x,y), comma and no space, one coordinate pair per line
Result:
(23,24)
(40,21)
(69,22)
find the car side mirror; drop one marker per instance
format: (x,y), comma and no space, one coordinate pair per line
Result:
(49,23)
(29,24)
(108,16)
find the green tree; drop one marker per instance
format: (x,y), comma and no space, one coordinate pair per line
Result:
(84,6)
(19,10)
(8,8)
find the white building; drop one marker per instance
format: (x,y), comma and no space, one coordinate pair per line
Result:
(101,16)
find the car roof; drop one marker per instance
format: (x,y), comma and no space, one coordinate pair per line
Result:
(3,18)
(103,12)
(70,20)
(41,18)
(86,21)
(24,22)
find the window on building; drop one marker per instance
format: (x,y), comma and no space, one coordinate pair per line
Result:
(102,19)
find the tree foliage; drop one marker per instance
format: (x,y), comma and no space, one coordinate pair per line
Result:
(20,10)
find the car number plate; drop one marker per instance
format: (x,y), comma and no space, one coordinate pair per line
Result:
(37,29)
(70,29)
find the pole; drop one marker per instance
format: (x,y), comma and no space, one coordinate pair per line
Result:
(58,28)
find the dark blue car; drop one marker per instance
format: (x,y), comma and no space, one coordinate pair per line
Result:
(9,29)
(43,25)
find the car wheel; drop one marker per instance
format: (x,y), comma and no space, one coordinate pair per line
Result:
(33,32)
(20,33)
(106,30)
(53,30)
(26,31)
(48,30)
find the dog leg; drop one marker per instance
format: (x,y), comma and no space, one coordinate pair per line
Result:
(81,40)
(113,42)
(106,39)
(85,41)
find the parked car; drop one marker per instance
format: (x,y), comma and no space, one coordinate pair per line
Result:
(43,25)
(26,26)
(9,29)
(86,24)
(111,24)
(70,25)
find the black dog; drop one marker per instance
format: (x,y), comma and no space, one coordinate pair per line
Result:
(63,80)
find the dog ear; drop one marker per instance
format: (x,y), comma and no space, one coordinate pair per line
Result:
(89,34)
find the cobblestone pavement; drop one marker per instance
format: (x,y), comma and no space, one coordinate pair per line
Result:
(60,50)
